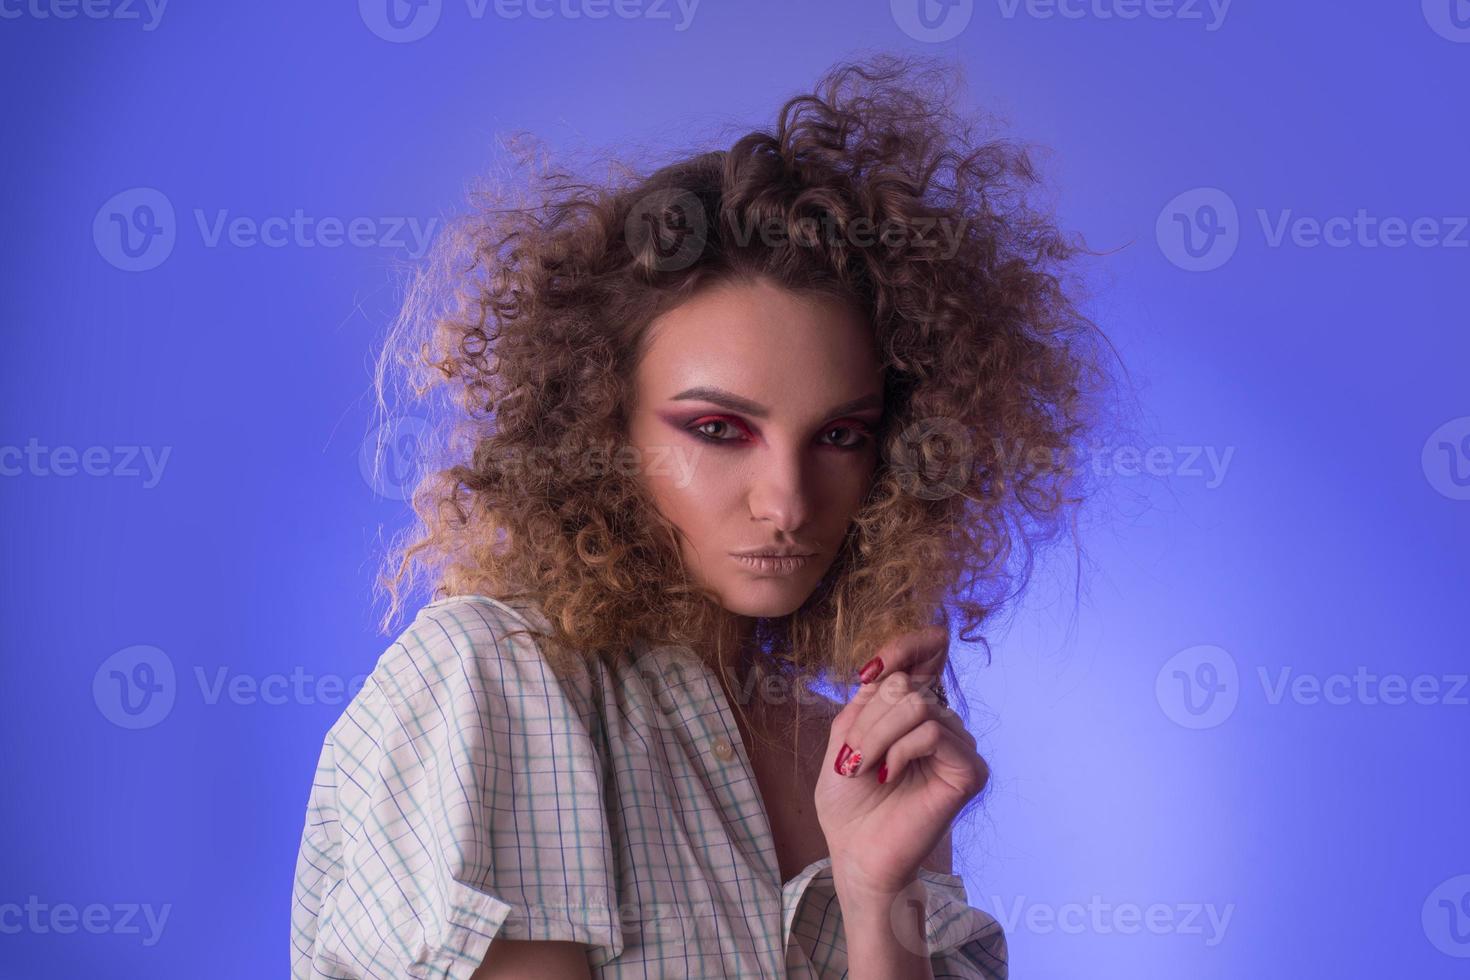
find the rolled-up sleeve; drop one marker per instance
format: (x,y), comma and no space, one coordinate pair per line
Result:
(457,799)
(964,942)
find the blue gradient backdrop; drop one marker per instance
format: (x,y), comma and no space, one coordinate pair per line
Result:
(1204,765)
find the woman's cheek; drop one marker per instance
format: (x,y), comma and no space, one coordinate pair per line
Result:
(691,497)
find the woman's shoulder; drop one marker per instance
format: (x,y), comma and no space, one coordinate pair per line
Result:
(473,654)
(427,830)
(468,623)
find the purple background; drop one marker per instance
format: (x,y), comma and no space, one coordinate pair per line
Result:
(1329,538)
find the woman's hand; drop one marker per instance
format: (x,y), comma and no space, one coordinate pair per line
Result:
(878,833)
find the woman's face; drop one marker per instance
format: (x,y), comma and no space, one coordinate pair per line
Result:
(755,412)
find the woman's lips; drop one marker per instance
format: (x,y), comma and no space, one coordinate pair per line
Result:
(774,566)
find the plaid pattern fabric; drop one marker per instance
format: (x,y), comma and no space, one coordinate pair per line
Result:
(466,793)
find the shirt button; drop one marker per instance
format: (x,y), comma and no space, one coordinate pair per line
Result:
(723,749)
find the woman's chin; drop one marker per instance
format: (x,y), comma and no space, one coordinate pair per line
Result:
(765,599)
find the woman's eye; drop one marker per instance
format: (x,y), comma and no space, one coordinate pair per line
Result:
(721,430)
(702,427)
(856,436)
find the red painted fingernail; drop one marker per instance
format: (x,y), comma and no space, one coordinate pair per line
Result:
(883,773)
(847,761)
(870,670)
(841,758)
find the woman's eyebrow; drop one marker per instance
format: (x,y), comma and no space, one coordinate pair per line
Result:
(730,400)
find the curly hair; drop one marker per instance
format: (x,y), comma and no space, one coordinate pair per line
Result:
(531,313)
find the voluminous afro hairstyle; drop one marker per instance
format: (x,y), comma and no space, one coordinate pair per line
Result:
(522,330)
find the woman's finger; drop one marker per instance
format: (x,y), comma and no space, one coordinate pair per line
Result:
(893,711)
(933,738)
(921,653)
(885,720)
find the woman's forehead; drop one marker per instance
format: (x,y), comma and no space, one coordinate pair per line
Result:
(768,348)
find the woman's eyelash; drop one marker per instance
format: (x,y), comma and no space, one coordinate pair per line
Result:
(707,437)
(864,435)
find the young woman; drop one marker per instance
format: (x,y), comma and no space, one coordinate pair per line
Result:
(762,417)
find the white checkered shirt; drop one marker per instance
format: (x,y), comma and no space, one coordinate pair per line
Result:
(467,793)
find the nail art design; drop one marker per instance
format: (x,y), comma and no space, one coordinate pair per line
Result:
(870,670)
(848,760)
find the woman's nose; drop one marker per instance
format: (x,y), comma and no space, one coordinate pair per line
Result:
(780,493)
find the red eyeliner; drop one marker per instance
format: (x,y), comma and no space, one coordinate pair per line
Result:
(691,426)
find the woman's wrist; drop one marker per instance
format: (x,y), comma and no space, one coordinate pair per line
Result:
(884,930)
